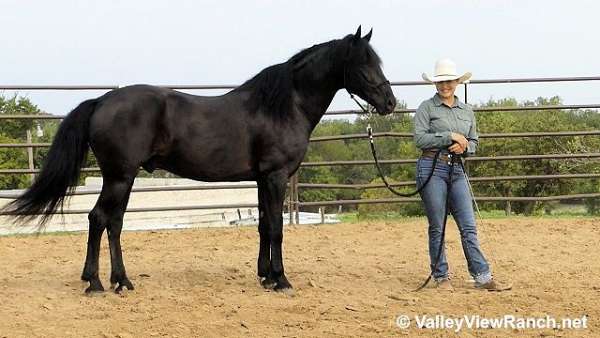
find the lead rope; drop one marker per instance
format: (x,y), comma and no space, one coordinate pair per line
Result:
(382,176)
(419,189)
(374,153)
(446,209)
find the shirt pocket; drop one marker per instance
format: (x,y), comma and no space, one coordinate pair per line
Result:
(438,122)
(464,121)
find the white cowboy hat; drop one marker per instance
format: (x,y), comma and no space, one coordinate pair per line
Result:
(445,70)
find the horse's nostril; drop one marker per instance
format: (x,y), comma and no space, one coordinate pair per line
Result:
(391,103)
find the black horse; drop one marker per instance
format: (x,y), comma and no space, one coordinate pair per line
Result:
(258,131)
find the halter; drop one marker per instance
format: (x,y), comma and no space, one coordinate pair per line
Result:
(374,151)
(365,110)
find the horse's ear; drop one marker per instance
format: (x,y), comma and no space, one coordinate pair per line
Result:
(368,36)
(357,34)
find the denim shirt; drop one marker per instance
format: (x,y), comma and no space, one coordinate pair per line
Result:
(435,121)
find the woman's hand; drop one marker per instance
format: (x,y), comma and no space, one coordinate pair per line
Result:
(460,143)
(456,149)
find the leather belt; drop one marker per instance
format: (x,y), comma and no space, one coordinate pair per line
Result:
(430,153)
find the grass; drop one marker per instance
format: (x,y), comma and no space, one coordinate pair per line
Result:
(562,211)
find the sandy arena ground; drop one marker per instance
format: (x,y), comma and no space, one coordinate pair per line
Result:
(351,280)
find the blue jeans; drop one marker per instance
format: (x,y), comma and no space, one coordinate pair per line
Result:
(461,207)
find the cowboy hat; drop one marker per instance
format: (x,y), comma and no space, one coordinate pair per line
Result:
(445,70)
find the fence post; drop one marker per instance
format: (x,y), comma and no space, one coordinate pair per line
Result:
(508,206)
(30,156)
(291,200)
(322,212)
(296,198)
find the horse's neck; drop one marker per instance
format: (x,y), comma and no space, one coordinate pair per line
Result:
(313,107)
(315,94)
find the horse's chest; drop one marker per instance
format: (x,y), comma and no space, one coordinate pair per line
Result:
(282,156)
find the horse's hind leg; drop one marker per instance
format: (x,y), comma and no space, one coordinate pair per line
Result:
(116,204)
(108,213)
(90,269)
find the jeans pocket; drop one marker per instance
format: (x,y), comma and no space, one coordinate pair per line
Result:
(424,168)
(419,181)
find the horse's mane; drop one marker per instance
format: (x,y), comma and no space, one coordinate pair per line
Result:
(271,89)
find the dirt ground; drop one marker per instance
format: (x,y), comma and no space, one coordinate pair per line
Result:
(351,280)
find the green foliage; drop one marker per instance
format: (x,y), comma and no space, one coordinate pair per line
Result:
(488,122)
(11,158)
(16,129)
(534,121)
(407,209)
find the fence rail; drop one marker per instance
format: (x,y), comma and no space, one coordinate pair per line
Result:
(360,112)
(159,209)
(372,162)
(383,134)
(472,180)
(468,159)
(479,199)
(480,109)
(293,203)
(490,135)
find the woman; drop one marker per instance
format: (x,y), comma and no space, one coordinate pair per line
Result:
(443,122)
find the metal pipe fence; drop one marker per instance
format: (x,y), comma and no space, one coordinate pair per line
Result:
(479,199)
(383,134)
(360,112)
(293,201)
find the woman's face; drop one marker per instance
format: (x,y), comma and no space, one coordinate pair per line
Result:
(446,88)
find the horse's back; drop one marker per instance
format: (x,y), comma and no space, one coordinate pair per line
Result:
(155,127)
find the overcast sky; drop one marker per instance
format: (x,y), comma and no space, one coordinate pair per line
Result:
(205,42)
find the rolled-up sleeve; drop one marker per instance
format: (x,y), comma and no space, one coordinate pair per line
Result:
(423,137)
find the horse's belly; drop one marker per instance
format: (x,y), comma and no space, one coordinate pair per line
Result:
(208,169)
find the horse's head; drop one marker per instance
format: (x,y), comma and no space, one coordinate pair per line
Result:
(363,75)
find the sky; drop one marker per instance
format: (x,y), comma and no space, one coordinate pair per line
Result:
(205,42)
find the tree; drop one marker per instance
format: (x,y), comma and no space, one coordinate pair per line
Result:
(488,122)
(15,131)
(11,158)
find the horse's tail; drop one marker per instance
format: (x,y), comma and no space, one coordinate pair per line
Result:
(60,172)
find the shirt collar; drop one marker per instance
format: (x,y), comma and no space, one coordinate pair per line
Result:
(437,100)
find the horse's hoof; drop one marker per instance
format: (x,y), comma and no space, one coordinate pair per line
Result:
(95,287)
(287,291)
(284,287)
(124,285)
(267,282)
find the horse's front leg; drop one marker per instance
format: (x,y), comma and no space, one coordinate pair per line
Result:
(274,194)
(264,251)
